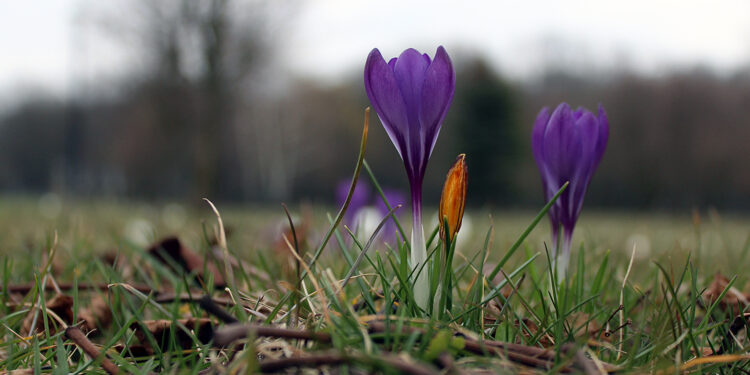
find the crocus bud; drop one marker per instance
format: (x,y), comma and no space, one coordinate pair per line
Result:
(453,200)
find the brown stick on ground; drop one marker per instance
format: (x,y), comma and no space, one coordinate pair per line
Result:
(77,336)
(514,356)
(193,296)
(335,358)
(232,332)
(527,355)
(25,288)
(208,304)
(530,356)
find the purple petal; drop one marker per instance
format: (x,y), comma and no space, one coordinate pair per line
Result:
(537,137)
(579,112)
(436,97)
(392,62)
(588,127)
(560,144)
(409,72)
(385,96)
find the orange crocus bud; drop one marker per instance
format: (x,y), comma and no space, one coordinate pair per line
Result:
(453,200)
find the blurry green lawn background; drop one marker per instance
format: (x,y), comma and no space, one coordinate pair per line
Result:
(713,241)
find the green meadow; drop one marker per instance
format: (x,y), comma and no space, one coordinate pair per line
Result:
(673,311)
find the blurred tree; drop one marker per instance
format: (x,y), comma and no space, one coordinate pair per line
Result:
(31,146)
(201,54)
(484,117)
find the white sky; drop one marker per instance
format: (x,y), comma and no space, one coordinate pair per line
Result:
(326,38)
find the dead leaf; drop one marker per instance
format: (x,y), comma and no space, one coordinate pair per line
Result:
(583,325)
(705,351)
(734,300)
(531,330)
(187,259)
(24,371)
(97,314)
(61,305)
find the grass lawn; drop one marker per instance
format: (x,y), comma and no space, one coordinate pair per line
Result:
(114,289)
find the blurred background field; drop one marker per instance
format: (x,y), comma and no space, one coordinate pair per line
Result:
(86,228)
(110,109)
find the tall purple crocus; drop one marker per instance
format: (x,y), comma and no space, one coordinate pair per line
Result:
(411,94)
(568,146)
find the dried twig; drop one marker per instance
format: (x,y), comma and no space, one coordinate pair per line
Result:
(237,331)
(208,304)
(336,358)
(77,336)
(194,296)
(527,355)
(26,288)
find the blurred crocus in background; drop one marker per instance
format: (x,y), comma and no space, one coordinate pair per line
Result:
(568,146)
(411,95)
(360,199)
(367,209)
(394,198)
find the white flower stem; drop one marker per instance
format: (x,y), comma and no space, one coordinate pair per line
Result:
(562,259)
(418,258)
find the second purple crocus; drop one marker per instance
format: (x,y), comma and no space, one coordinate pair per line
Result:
(568,146)
(411,95)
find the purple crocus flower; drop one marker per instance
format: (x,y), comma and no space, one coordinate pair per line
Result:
(360,199)
(568,146)
(411,94)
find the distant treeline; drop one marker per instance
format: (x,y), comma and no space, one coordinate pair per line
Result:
(209,119)
(680,140)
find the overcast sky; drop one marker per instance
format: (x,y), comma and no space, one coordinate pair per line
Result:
(325,38)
